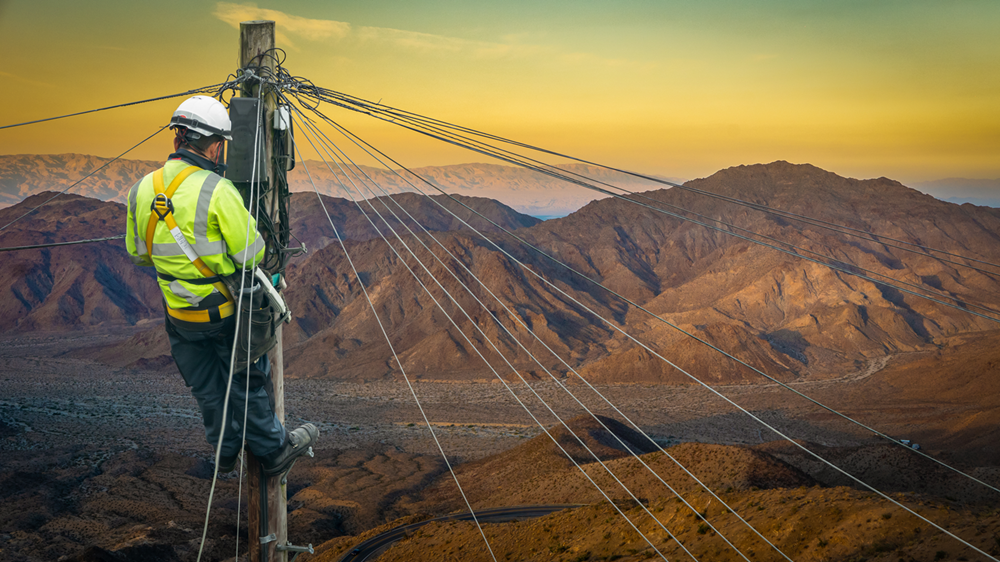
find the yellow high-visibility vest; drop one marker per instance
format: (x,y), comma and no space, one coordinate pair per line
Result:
(209,212)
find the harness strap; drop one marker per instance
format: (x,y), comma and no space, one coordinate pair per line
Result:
(162,209)
(157,214)
(203,281)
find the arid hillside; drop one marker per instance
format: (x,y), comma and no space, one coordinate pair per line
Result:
(24,175)
(72,287)
(100,463)
(790,317)
(804,518)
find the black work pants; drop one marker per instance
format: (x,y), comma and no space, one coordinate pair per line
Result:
(203,360)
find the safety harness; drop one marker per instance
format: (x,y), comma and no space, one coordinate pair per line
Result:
(162,209)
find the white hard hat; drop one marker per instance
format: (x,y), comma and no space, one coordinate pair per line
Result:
(205,115)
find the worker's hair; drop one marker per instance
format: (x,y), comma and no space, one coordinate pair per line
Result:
(195,140)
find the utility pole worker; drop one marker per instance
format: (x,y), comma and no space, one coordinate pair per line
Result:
(190,224)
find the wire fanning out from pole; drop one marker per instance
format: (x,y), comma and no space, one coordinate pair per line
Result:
(216,88)
(399,363)
(399,116)
(746,412)
(355,168)
(79,181)
(309,97)
(475,348)
(55,244)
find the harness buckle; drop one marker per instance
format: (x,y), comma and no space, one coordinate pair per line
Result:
(162,206)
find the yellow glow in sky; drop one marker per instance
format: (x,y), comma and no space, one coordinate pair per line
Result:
(904,89)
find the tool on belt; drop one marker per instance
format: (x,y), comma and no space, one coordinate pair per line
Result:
(261,309)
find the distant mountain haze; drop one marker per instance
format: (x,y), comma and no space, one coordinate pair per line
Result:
(525,190)
(789,317)
(23,175)
(981,192)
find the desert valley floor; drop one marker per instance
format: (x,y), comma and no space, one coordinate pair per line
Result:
(114,459)
(102,456)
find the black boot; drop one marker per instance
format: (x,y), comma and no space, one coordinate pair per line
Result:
(228,464)
(298,443)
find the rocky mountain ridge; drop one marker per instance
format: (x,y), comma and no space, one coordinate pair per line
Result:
(788,317)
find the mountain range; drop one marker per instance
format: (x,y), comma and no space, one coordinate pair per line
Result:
(789,317)
(527,191)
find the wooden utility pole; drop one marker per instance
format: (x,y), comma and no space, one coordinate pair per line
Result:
(265,533)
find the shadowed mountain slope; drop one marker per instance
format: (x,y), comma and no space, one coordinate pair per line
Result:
(311,226)
(789,317)
(71,287)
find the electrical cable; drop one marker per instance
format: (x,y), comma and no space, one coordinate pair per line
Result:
(78,182)
(54,244)
(514,338)
(853,478)
(354,103)
(202,90)
(570,368)
(962,304)
(653,315)
(476,349)
(743,237)
(398,362)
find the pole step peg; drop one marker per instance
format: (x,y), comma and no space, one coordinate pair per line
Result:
(296,549)
(292,548)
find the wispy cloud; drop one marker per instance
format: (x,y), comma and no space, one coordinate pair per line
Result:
(24,80)
(324,30)
(427,42)
(291,27)
(307,28)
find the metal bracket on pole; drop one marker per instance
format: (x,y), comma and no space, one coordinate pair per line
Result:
(270,538)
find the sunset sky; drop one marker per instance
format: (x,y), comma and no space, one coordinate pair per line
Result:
(905,89)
